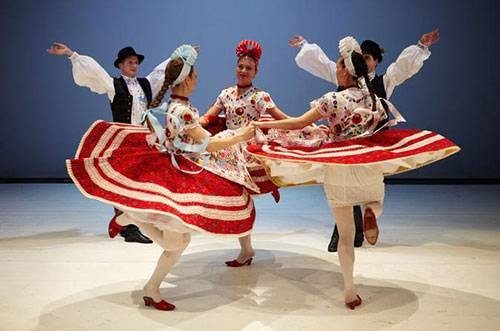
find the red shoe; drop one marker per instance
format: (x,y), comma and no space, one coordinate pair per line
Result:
(114,228)
(162,305)
(276,195)
(353,304)
(370,227)
(235,264)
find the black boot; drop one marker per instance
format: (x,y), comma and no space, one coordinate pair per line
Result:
(132,234)
(358,237)
(334,242)
(358,223)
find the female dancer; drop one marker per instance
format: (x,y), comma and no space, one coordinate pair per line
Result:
(242,104)
(351,170)
(156,179)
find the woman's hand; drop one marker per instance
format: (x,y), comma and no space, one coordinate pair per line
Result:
(60,49)
(254,124)
(247,132)
(204,121)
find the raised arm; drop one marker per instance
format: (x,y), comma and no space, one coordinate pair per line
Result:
(409,62)
(312,59)
(86,71)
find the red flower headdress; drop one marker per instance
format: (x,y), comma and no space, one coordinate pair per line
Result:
(249,48)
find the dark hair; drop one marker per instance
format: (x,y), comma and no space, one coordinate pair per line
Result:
(247,56)
(372,48)
(362,71)
(172,71)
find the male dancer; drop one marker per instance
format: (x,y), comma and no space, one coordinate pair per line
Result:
(129,95)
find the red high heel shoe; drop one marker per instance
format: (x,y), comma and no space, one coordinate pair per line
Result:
(370,227)
(235,264)
(162,305)
(114,228)
(353,304)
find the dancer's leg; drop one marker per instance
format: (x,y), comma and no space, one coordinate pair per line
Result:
(247,250)
(173,244)
(345,223)
(358,223)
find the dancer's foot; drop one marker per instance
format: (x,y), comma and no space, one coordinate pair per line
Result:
(370,226)
(153,298)
(132,234)
(160,305)
(352,304)
(114,228)
(243,259)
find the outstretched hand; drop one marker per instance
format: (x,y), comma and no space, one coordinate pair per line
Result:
(430,38)
(296,41)
(60,49)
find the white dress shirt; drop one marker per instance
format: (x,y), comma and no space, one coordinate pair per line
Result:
(312,59)
(88,73)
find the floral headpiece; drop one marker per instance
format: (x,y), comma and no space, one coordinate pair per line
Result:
(249,48)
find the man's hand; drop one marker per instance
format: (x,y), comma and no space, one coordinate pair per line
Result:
(60,49)
(296,41)
(429,39)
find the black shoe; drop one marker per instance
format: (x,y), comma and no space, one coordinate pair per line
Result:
(358,239)
(334,242)
(132,234)
(358,223)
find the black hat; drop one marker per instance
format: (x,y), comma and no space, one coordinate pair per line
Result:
(372,48)
(126,52)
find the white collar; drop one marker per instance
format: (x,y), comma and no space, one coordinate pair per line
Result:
(129,79)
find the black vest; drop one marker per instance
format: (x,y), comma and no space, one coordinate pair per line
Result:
(121,106)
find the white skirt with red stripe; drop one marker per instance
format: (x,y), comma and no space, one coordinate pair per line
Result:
(386,153)
(115,165)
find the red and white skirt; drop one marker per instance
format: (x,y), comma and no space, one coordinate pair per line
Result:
(115,165)
(352,170)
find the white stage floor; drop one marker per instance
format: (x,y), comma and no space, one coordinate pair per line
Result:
(436,266)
